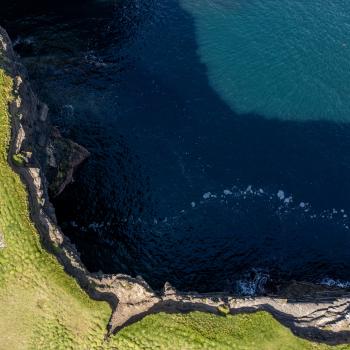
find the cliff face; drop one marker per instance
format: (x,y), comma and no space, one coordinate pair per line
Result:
(38,143)
(46,162)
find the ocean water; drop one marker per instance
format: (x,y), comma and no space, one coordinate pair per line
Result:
(282,59)
(218,131)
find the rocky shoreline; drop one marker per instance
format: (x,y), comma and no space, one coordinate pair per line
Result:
(46,162)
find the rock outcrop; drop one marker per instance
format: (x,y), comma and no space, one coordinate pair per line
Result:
(46,162)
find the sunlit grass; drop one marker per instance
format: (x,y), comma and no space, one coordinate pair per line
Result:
(259,331)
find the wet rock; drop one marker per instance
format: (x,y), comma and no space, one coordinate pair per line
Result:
(168,289)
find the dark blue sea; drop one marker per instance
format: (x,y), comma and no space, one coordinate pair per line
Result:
(219,133)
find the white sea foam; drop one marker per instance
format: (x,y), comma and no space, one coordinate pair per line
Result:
(249,189)
(335,283)
(207,195)
(280,195)
(27,41)
(254,283)
(245,287)
(95,226)
(277,201)
(288,200)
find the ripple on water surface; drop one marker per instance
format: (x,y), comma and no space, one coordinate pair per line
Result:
(287,59)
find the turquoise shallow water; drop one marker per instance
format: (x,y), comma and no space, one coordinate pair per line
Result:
(286,59)
(220,147)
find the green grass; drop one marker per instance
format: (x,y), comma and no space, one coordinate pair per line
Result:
(223,310)
(19,159)
(259,331)
(41,307)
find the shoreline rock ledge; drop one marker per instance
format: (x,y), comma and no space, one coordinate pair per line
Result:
(46,162)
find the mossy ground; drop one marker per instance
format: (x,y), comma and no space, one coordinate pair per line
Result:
(43,308)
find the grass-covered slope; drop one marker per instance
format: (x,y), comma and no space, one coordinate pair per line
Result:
(43,308)
(259,331)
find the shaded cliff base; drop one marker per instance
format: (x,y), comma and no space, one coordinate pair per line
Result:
(42,157)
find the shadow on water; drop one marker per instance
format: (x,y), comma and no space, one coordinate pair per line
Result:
(125,80)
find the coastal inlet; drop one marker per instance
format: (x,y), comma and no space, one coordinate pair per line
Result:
(218,131)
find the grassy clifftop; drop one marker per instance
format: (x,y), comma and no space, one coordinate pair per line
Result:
(41,307)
